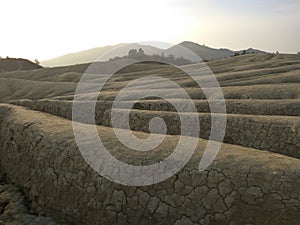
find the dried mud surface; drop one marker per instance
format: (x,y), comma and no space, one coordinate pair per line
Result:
(253,180)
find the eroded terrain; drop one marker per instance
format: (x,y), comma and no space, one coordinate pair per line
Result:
(253,180)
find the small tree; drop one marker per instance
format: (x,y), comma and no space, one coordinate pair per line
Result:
(141,52)
(132,52)
(36,61)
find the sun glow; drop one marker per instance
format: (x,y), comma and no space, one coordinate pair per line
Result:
(46,29)
(58,27)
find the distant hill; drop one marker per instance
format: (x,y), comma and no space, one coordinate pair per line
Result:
(105,53)
(13,64)
(250,51)
(204,52)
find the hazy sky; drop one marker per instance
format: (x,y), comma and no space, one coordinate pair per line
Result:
(49,28)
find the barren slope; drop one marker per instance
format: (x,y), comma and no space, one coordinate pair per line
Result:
(266,85)
(255,179)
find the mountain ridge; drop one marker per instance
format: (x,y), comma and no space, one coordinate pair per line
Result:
(195,53)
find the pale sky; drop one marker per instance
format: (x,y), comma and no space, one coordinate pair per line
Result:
(49,28)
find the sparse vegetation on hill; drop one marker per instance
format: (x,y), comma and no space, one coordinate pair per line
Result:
(140,55)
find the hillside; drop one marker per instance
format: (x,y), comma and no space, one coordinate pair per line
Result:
(12,64)
(107,52)
(241,72)
(253,85)
(204,52)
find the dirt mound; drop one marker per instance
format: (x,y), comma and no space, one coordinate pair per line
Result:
(12,64)
(242,186)
(244,77)
(273,133)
